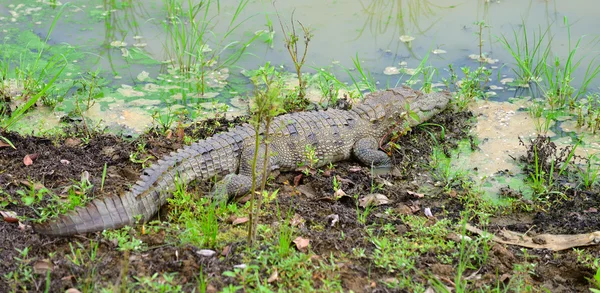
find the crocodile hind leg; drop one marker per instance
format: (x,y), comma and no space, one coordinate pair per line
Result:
(366,150)
(233,186)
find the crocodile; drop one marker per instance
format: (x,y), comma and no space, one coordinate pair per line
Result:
(334,134)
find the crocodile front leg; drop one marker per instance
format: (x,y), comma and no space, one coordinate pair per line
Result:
(366,150)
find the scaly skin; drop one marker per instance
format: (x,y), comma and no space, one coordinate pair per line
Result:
(336,135)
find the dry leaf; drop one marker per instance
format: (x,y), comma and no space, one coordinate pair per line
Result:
(72,142)
(28,160)
(226,250)
(428,213)
(274,276)
(9,216)
(72,290)
(339,194)
(206,252)
(334,218)
(302,243)
(297,180)
(297,220)
(239,221)
(354,169)
(375,199)
(42,266)
(553,242)
(415,194)
(36,185)
(3,144)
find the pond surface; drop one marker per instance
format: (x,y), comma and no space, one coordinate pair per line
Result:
(125,51)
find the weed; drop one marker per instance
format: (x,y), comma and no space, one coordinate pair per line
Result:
(470,87)
(286,231)
(366,79)
(124,239)
(588,174)
(536,67)
(541,118)
(544,163)
(267,103)
(312,159)
(199,217)
(530,54)
(329,86)
(36,79)
(103,177)
(86,262)
(291,44)
(20,278)
(596,282)
(163,283)
(189,31)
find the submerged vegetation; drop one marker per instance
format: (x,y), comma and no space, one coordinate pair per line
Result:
(329,229)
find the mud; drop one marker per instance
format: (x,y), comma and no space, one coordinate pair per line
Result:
(60,161)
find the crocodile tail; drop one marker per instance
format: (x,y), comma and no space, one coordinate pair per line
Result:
(215,156)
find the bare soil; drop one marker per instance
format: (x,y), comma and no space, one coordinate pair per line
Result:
(60,161)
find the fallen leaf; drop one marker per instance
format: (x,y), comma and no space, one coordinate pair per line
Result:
(273,277)
(375,199)
(36,185)
(555,242)
(211,289)
(239,221)
(297,220)
(297,180)
(339,194)
(354,169)
(72,142)
(415,194)
(72,290)
(302,243)
(226,250)
(3,144)
(9,216)
(334,218)
(28,159)
(206,252)
(307,190)
(42,266)
(65,162)
(428,213)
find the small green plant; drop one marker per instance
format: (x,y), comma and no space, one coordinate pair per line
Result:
(103,177)
(86,262)
(36,79)
(190,31)
(163,283)
(291,44)
(22,278)
(33,195)
(312,159)
(266,106)
(140,156)
(542,119)
(596,282)
(366,79)
(124,238)
(286,232)
(470,87)
(588,174)
(329,86)
(530,54)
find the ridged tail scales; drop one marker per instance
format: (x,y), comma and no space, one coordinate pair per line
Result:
(215,156)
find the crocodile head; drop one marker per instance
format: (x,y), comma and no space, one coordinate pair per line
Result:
(393,106)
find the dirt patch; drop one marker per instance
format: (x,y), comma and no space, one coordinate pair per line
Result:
(332,224)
